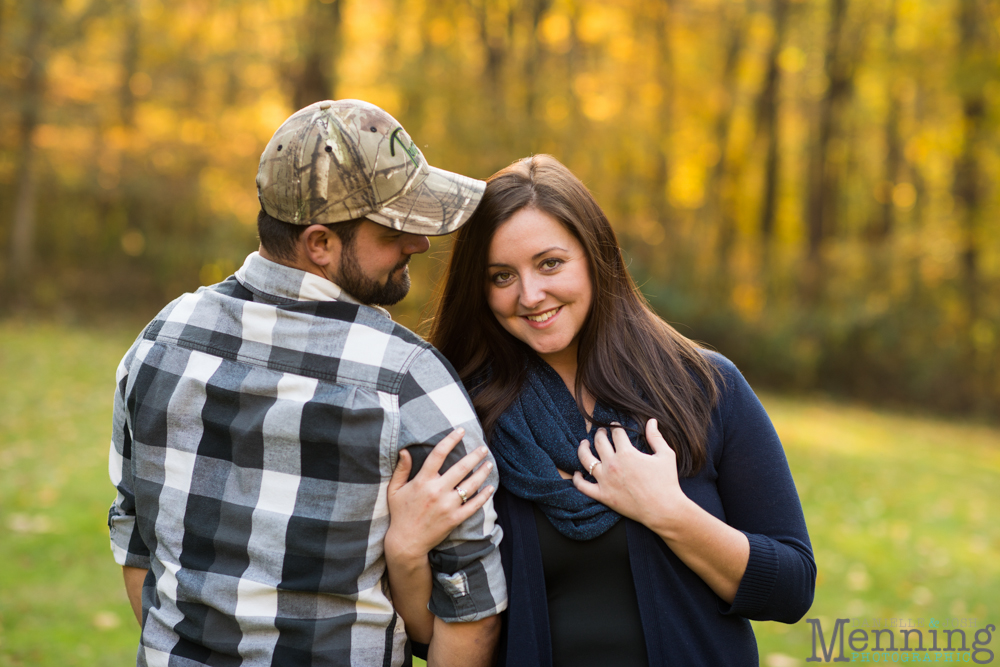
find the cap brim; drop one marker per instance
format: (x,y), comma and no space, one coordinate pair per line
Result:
(440,204)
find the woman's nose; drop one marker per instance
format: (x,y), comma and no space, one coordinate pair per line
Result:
(532,291)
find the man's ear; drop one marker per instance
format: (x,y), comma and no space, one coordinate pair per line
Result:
(320,246)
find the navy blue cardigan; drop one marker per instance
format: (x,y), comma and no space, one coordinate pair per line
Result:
(746,483)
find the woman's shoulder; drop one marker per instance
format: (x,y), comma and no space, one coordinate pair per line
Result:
(732,385)
(721,362)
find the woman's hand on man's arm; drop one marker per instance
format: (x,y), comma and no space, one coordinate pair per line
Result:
(423,511)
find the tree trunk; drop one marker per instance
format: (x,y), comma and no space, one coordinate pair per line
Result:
(720,206)
(665,77)
(823,175)
(893,147)
(767,121)
(967,185)
(496,51)
(22,238)
(130,62)
(537,9)
(317,78)
(893,168)
(412,87)
(574,62)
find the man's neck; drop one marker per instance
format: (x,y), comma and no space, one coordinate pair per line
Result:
(306,266)
(298,262)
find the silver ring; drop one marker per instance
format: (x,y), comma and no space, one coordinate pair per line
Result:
(461,494)
(590,470)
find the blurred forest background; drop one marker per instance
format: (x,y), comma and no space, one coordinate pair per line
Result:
(807,185)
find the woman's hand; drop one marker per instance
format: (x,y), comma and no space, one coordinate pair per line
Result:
(422,512)
(426,509)
(642,487)
(646,489)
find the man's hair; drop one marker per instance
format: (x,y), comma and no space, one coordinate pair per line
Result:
(280,238)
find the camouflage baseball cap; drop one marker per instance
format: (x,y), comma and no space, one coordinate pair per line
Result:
(339,160)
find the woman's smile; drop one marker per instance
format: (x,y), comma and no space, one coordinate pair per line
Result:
(544,318)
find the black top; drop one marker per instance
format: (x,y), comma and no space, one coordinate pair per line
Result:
(593,610)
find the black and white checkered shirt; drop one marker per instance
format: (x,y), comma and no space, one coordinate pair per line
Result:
(256,425)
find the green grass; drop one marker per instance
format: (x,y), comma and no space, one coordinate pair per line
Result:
(61,597)
(902,510)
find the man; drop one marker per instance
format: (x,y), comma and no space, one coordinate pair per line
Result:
(257,423)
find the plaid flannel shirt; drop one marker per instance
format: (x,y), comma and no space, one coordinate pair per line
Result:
(256,425)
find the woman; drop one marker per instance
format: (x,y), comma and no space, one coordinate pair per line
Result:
(655,544)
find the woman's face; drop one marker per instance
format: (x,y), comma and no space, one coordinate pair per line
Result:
(539,283)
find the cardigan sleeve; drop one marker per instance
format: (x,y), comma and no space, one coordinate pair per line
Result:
(759,499)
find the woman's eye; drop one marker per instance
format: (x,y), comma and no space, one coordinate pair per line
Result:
(551,263)
(502,278)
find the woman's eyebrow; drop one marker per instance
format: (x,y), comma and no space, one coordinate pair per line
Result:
(533,257)
(547,250)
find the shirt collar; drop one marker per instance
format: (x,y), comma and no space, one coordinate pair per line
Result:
(277,281)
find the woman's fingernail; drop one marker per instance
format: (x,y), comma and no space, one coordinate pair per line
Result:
(489,465)
(483,449)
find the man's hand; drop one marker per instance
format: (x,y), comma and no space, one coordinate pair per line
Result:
(134,577)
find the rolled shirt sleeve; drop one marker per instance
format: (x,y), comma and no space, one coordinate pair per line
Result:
(127,544)
(468,578)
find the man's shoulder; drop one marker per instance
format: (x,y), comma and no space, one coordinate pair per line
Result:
(406,353)
(333,341)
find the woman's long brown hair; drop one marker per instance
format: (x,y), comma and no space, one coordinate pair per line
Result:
(629,358)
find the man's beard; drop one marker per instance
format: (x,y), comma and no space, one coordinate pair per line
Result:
(353,280)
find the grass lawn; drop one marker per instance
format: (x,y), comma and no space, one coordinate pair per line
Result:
(902,510)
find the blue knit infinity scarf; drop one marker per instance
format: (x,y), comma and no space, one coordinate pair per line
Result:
(541,432)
